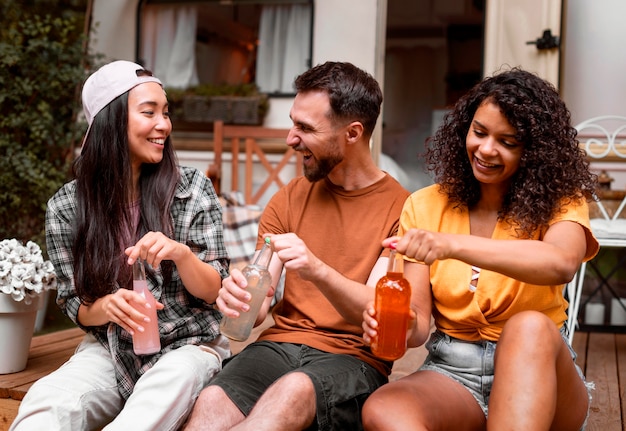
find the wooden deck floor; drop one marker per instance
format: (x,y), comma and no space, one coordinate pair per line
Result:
(602,357)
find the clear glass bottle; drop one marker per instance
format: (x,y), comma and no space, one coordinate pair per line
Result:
(259,281)
(147,342)
(392,304)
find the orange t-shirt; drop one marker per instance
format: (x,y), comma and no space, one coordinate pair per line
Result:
(344,229)
(481,315)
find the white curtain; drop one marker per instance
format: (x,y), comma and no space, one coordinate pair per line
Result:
(284,41)
(168,44)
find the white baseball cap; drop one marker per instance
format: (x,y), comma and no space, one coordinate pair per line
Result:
(109,82)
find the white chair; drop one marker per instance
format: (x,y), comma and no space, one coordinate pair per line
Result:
(601,137)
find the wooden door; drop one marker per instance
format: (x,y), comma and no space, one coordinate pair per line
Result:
(509,27)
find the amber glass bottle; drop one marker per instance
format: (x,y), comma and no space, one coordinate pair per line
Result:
(392,304)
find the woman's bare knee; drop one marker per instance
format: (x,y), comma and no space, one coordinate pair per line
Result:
(413,403)
(529,326)
(375,413)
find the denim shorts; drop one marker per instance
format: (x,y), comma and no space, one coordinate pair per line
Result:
(472,364)
(342,382)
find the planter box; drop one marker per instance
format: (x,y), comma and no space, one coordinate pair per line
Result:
(229,109)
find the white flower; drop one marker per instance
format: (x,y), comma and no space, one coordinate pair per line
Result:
(23,272)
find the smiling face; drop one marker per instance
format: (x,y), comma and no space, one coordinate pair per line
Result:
(492,147)
(314,135)
(149,123)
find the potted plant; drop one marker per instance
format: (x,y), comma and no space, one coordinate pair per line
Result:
(24,278)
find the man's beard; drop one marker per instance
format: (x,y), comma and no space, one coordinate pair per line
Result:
(322,168)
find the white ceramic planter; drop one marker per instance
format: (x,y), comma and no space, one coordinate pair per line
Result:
(43,307)
(17,321)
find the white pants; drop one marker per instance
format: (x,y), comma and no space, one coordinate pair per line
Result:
(82,394)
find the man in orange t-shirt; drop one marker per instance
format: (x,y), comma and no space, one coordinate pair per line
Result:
(312,368)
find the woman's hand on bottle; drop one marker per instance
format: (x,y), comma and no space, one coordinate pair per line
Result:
(423,245)
(155,247)
(119,310)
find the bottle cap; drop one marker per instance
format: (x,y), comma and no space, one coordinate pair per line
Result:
(267,240)
(393,245)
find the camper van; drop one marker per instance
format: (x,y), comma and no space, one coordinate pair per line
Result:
(424,53)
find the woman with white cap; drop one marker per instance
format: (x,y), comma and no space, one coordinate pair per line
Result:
(129,200)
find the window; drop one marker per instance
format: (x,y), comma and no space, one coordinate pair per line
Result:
(186,43)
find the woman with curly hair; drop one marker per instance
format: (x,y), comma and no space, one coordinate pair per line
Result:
(489,248)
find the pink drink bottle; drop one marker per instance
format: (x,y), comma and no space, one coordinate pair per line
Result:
(259,281)
(147,342)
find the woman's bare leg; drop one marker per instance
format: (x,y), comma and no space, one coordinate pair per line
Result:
(424,400)
(536,385)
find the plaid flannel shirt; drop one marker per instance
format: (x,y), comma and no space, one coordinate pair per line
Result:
(241,226)
(197,220)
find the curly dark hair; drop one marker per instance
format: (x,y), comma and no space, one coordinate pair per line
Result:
(553,169)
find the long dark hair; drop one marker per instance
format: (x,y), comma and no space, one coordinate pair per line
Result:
(553,169)
(103,192)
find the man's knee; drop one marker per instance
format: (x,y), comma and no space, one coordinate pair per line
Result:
(214,406)
(211,396)
(296,382)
